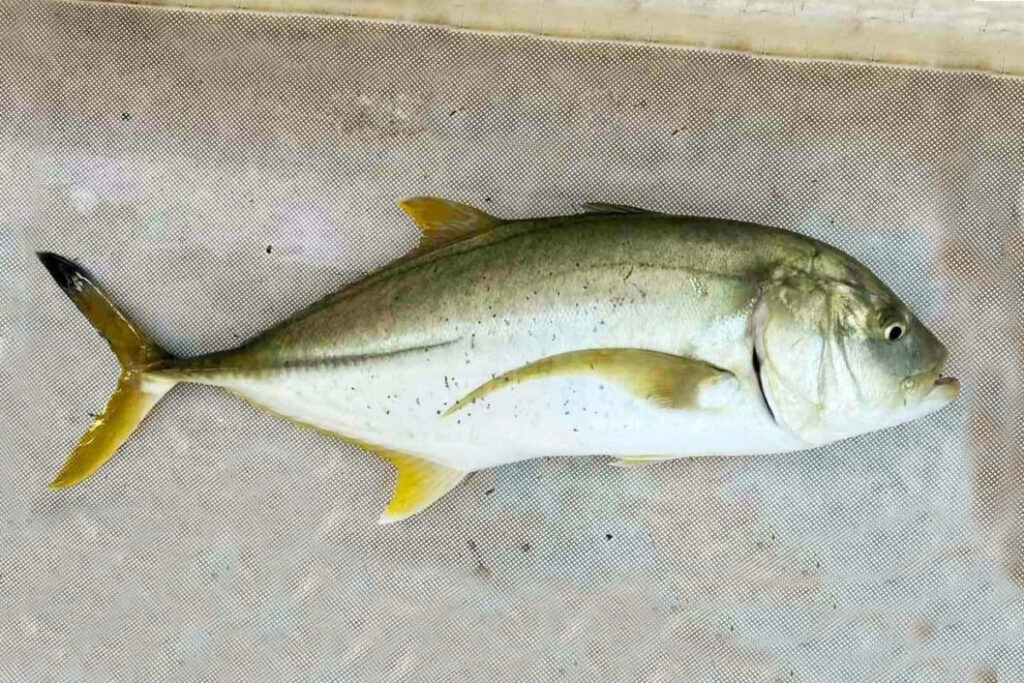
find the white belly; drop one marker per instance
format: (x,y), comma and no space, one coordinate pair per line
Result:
(399,402)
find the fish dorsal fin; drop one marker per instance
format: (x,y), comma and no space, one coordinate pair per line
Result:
(442,221)
(601,207)
(665,380)
(418,483)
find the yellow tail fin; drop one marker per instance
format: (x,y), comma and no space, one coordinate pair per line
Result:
(136,391)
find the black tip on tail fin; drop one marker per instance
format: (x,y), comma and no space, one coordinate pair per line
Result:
(133,348)
(63,270)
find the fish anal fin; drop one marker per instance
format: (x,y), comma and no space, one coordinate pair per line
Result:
(418,483)
(442,221)
(664,379)
(602,207)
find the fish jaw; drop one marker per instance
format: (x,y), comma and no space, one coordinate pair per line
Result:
(944,391)
(941,392)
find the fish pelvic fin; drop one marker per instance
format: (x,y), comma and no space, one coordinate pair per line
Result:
(442,221)
(136,392)
(418,483)
(638,460)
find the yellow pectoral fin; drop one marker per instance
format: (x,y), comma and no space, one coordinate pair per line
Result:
(665,380)
(418,483)
(442,221)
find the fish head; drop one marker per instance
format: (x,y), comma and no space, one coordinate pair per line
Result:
(839,358)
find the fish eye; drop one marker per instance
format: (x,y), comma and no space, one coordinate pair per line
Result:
(893,331)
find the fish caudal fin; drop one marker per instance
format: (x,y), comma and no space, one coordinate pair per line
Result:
(136,392)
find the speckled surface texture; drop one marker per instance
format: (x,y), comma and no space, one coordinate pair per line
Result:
(218,172)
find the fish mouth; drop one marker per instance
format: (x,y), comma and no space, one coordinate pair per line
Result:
(934,392)
(943,390)
(947,384)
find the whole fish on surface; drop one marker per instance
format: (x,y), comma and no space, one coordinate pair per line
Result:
(618,331)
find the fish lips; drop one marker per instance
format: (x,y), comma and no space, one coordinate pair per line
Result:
(944,390)
(940,392)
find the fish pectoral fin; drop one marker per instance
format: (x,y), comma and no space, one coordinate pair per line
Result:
(664,379)
(442,221)
(418,483)
(602,207)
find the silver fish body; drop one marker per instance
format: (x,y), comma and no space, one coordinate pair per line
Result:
(615,332)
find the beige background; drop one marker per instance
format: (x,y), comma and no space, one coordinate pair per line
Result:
(216,172)
(961,34)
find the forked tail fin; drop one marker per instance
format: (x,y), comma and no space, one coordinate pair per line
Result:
(136,392)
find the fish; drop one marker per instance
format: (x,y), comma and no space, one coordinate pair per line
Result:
(614,331)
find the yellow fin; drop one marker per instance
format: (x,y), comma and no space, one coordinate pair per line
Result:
(442,221)
(638,460)
(418,483)
(664,379)
(131,401)
(136,391)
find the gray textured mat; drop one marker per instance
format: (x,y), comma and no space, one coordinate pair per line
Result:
(217,172)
